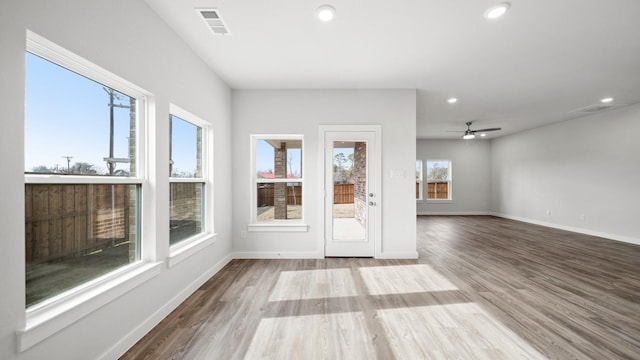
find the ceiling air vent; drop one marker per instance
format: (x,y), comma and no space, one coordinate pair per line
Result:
(594,108)
(213,20)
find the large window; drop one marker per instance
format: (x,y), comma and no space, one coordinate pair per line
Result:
(439,180)
(187,178)
(277,179)
(83,178)
(419,173)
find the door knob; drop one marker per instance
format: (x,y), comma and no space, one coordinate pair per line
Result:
(371,203)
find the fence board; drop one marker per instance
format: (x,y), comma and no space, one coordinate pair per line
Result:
(69,207)
(41,228)
(343,193)
(72,220)
(55,225)
(266,195)
(437,190)
(28,211)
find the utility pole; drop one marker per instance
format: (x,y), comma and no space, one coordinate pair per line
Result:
(68,162)
(111,161)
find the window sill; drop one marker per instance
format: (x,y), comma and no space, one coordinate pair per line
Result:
(278,227)
(442,201)
(48,319)
(185,249)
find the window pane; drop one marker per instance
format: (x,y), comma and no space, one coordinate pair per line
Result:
(186,149)
(438,179)
(343,162)
(74,125)
(278,159)
(437,170)
(75,233)
(185,211)
(279,201)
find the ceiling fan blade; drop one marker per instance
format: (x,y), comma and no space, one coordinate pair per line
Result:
(489,129)
(455,131)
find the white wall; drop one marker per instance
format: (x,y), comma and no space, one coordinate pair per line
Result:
(128,39)
(588,166)
(471,169)
(301,112)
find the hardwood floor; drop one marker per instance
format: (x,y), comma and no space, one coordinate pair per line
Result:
(483,288)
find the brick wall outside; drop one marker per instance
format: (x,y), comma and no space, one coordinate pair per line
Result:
(360,182)
(280,189)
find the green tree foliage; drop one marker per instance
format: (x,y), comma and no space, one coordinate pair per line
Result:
(343,168)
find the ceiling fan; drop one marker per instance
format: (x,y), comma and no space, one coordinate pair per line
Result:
(470,134)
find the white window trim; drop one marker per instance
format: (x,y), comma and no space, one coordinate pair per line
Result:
(449,183)
(54,314)
(421,182)
(282,225)
(192,245)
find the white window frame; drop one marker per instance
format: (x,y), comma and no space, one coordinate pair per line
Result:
(297,225)
(52,315)
(449,181)
(420,180)
(192,245)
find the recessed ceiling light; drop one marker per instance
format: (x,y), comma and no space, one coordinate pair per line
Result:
(483,135)
(452,100)
(325,12)
(606,100)
(497,11)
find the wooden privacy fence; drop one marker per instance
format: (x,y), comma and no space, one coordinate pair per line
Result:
(71,220)
(343,194)
(266,195)
(438,190)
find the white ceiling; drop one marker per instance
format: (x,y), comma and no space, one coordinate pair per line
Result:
(530,68)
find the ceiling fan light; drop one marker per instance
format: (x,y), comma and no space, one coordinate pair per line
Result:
(468,136)
(497,11)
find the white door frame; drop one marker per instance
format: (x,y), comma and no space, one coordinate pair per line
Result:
(375,212)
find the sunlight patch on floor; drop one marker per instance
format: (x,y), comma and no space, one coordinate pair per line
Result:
(313,284)
(456,331)
(402,279)
(326,336)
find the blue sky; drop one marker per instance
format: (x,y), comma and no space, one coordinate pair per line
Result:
(67,114)
(264,158)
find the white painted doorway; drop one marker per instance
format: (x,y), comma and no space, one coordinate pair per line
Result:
(351,169)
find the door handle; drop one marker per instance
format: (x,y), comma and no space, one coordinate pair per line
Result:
(371,203)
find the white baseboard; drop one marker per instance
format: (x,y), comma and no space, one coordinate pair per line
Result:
(446,213)
(141,330)
(277,255)
(616,237)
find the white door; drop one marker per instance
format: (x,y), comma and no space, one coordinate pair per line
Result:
(351,180)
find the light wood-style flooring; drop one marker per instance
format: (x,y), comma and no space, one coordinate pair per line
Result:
(483,288)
